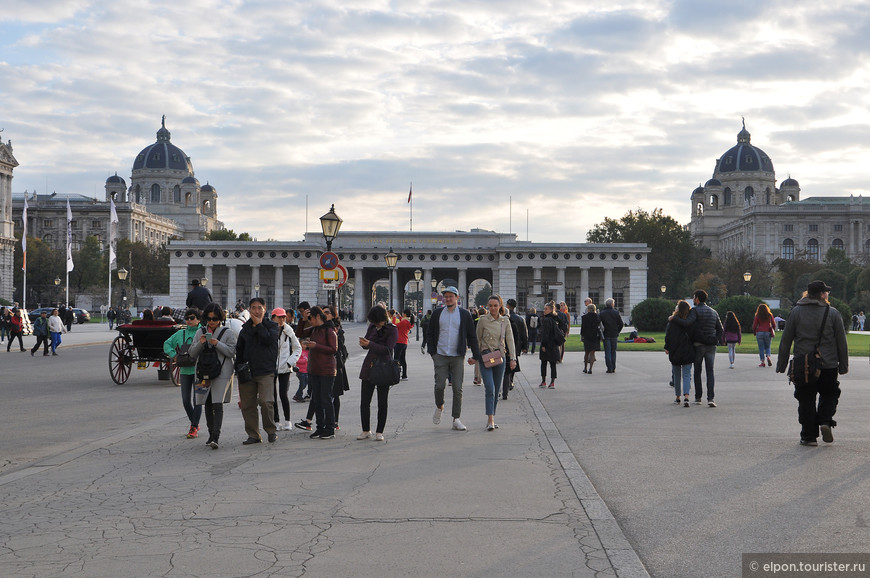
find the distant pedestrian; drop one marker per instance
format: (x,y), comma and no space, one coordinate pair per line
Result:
(861,319)
(199,296)
(521,345)
(681,353)
(16,329)
(532,323)
(611,325)
(764,328)
(551,338)
(814,326)
(40,331)
(403,327)
(565,325)
(733,336)
(590,334)
(110,316)
(55,328)
(68,318)
(379,342)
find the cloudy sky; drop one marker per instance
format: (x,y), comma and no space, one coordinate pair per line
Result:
(574,110)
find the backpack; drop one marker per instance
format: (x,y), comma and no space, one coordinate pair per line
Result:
(558,334)
(209,364)
(533,321)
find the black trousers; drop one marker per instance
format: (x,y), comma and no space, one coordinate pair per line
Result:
(282,386)
(399,351)
(44,340)
(214,418)
(365,403)
(544,363)
(811,415)
(13,336)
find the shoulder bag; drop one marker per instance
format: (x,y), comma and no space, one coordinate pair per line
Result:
(493,358)
(805,369)
(384,370)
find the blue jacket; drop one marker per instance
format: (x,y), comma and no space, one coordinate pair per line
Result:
(467,333)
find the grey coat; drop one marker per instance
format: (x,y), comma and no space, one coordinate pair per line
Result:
(802,329)
(222,387)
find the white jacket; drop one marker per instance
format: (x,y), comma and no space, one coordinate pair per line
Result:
(55,325)
(289,349)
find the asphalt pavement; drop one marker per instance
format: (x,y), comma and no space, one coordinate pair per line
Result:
(602,476)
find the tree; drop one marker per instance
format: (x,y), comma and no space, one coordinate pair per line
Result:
(714,287)
(743,306)
(789,273)
(88,270)
(226,235)
(44,264)
(731,267)
(652,314)
(482,296)
(675,260)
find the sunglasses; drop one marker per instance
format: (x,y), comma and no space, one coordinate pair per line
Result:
(210,318)
(191,318)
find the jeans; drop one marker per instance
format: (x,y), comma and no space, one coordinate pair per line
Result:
(610,353)
(732,352)
(686,371)
(194,412)
(452,366)
(763,345)
(399,353)
(365,405)
(811,417)
(303,384)
(321,395)
(705,354)
(492,378)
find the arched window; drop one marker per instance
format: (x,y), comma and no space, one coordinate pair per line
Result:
(700,209)
(187,200)
(714,202)
(206,206)
(726,196)
(837,244)
(155,193)
(767,196)
(789,199)
(748,193)
(813,250)
(788,249)
(114,195)
(176,194)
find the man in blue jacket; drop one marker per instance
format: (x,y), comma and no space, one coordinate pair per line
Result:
(449,335)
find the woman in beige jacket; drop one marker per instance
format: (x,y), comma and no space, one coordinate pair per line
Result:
(494,334)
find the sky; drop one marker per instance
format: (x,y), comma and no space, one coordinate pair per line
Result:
(535,117)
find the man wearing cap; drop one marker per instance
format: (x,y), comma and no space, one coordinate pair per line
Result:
(812,314)
(199,296)
(449,335)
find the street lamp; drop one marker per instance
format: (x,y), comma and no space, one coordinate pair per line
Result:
(122,275)
(203,281)
(391,259)
(434,295)
(292,300)
(664,288)
(257,289)
(56,283)
(418,275)
(330,223)
(747,277)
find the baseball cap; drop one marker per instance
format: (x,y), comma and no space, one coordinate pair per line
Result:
(451,289)
(279,312)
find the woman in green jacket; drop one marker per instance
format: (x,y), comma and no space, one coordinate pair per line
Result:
(170,347)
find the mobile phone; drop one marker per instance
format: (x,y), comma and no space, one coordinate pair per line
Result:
(208,335)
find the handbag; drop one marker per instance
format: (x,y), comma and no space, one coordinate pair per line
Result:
(805,369)
(491,358)
(243,371)
(384,370)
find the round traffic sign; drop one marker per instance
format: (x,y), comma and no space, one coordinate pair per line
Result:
(328,261)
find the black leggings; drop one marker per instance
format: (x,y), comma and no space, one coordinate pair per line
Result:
(400,350)
(282,384)
(13,336)
(544,363)
(214,418)
(365,403)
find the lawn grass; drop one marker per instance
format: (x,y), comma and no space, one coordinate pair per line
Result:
(858,344)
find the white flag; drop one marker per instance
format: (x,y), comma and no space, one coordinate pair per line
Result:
(113,232)
(24,238)
(69,261)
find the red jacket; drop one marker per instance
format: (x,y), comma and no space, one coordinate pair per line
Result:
(404,328)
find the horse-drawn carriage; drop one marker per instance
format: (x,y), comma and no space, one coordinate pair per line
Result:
(141,342)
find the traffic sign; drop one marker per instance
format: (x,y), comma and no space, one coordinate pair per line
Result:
(328,260)
(329,274)
(343,275)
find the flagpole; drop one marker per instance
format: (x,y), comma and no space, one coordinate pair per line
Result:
(24,254)
(411,208)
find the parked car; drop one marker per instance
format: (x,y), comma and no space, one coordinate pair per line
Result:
(36,312)
(82,315)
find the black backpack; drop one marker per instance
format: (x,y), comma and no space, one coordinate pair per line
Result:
(209,364)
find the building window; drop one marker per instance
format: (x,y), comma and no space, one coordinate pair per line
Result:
(867,246)
(748,193)
(788,249)
(176,194)
(813,250)
(788,228)
(618,301)
(48,223)
(838,244)
(714,202)
(726,196)
(155,193)
(814,228)
(838,228)
(700,211)
(96,225)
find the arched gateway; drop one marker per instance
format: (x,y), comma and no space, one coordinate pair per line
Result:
(288,272)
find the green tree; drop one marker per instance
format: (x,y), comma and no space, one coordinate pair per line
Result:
(789,274)
(744,308)
(675,260)
(88,270)
(652,314)
(226,235)
(482,296)
(44,265)
(732,267)
(714,287)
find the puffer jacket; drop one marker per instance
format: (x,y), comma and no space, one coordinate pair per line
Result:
(258,345)
(289,349)
(703,325)
(802,330)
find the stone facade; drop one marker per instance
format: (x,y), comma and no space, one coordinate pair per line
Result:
(7,230)
(288,272)
(741,208)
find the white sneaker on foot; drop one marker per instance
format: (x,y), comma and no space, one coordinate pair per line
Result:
(364,435)
(379,437)
(436,417)
(457,425)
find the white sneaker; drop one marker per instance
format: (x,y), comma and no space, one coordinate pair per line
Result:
(436,417)
(457,425)
(364,435)
(280,426)
(731,366)
(379,437)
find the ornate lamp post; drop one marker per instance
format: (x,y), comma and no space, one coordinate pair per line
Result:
(434,288)
(391,259)
(330,223)
(663,288)
(203,281)
(747,277)
(257,289)
(292,299)
(122,275)
(56,284)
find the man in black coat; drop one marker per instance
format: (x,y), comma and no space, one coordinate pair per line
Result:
(258,346)
(706,330)
(199,296)
(521,344)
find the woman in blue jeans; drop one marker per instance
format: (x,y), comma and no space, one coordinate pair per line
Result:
(186,374)
(764,328)
(681,353)
(494,334)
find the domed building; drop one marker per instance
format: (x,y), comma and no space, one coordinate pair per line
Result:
(740,208)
